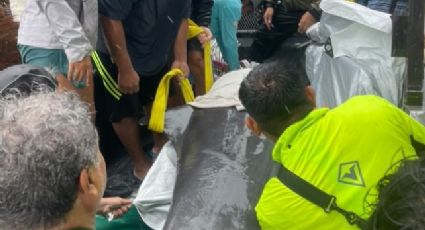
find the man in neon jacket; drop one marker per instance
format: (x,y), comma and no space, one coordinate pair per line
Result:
(343,151)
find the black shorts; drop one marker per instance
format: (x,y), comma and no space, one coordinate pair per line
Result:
(128,105)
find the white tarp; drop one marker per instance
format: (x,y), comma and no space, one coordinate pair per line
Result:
(224,92)
(361,41)
(155,195)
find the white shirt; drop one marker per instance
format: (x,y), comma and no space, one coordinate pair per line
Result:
(70,25)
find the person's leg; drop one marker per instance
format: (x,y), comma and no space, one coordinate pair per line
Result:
(195,59)
(197,69)
(148,88)
(123,113)
(127,130)
(175,98)
(229,16)
(159,140)
(267,41)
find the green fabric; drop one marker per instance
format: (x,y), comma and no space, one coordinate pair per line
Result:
(130,221)
(54,60)
(344,152)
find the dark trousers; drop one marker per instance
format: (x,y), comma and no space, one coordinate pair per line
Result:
(267,41)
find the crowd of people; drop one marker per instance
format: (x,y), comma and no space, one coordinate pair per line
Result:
(362,158)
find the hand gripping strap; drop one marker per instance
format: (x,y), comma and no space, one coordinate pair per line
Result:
(157,118)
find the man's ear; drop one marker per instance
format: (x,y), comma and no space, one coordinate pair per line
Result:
(311,95)
(85,182)
(253,126)
(88,193)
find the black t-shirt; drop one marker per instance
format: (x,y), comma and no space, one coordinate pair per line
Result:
(150,28)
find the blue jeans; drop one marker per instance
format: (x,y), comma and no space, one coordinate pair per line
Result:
(224,25)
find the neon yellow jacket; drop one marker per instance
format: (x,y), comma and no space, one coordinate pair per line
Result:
(344,152)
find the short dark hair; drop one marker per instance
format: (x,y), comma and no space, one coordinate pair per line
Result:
(401,199)
(273,91)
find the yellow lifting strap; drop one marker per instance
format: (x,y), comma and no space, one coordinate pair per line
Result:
(195,30)
(157,118)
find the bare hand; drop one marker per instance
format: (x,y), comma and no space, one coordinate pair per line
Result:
(205,36)
(307,20)
(115,205)
(128,81)
(268,17)
(182,65)
(81,70)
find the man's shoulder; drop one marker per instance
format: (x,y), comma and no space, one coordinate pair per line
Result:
(365,102)
(364,108)
(367,99)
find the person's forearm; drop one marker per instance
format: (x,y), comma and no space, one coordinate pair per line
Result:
(115,39)
(180,45)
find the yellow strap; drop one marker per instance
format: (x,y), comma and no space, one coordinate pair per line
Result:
(109,83)
(195,30)
(157,118)
(208,67)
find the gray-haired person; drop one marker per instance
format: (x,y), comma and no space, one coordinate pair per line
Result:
(52,174)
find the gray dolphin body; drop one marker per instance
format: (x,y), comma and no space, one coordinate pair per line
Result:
(222,169)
